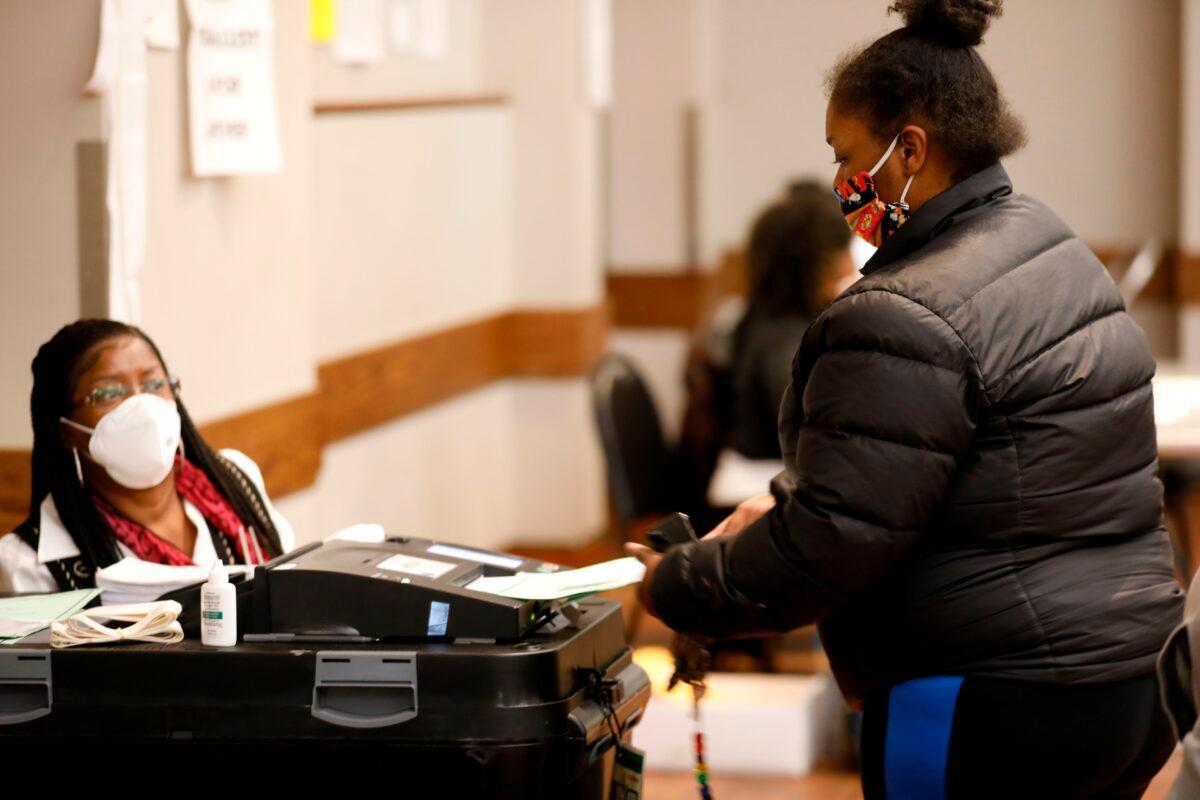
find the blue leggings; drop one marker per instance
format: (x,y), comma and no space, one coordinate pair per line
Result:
(948,737)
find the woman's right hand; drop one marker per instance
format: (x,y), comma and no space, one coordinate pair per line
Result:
(746,513)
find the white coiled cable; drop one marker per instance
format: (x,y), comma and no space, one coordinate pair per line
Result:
(149,622)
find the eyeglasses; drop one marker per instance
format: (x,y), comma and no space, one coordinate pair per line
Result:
(110,394)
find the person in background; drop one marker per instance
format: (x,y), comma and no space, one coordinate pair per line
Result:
(120,470)
(971,509)
(797,261)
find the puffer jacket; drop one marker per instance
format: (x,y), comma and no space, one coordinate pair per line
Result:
(972,468)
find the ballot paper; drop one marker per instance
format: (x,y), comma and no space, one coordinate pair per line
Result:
(132,580)
(564,584)
(26,614)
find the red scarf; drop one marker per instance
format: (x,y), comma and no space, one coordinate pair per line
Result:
(194,486)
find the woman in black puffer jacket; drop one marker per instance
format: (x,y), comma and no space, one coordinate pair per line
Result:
(971,509)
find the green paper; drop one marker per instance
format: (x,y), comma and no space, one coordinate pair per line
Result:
(29,613)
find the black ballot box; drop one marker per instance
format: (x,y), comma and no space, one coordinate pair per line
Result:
(537,718)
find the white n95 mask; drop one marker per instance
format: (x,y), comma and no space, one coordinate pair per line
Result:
(136,441)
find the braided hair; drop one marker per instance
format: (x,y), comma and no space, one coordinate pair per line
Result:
(57,368)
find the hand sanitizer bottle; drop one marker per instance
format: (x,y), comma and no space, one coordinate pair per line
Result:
(218,609)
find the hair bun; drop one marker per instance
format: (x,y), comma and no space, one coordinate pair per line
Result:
(954,23)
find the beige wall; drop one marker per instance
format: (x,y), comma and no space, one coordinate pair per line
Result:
(413,225)
(1189,195)
(45,114)
(653,83)
(445,472)
(382,225)
(433,218)
(558,473)
(1075,78)
(428,219)
(1189,145)
(1099,92)
(533,51)
(226,286)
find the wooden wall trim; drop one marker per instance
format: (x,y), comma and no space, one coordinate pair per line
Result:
(409,103)
(681,299)
(284,439)
(366,389)
(671,299)
(15,479)
(647,300)
(1162,285)
(1187,277)
(550,343)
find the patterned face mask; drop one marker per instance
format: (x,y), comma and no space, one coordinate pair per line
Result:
(868,216)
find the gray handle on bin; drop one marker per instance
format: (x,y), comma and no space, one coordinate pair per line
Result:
(26,685)
(633,692)
(365,689)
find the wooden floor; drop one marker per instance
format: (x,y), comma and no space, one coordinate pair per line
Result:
(826,786)
(818,786)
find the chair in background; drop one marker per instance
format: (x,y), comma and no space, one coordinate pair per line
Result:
(639,463)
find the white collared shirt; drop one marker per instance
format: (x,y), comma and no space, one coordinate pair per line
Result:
(24,570)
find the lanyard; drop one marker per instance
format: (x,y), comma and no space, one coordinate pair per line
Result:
(691,663)
(698,723)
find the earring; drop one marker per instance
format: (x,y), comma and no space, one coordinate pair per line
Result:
(78,466)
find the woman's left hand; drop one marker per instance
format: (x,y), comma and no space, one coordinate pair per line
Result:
(651,559)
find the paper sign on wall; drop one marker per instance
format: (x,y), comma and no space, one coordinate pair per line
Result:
(598,50)
(434,16)
(120,79)
(162,27)
(233,117)
(402,26)
(359,35)
(321,21)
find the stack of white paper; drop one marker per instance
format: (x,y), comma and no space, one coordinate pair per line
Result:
(564,584)
(132,580)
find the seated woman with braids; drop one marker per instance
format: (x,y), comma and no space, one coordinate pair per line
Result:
(119,470)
